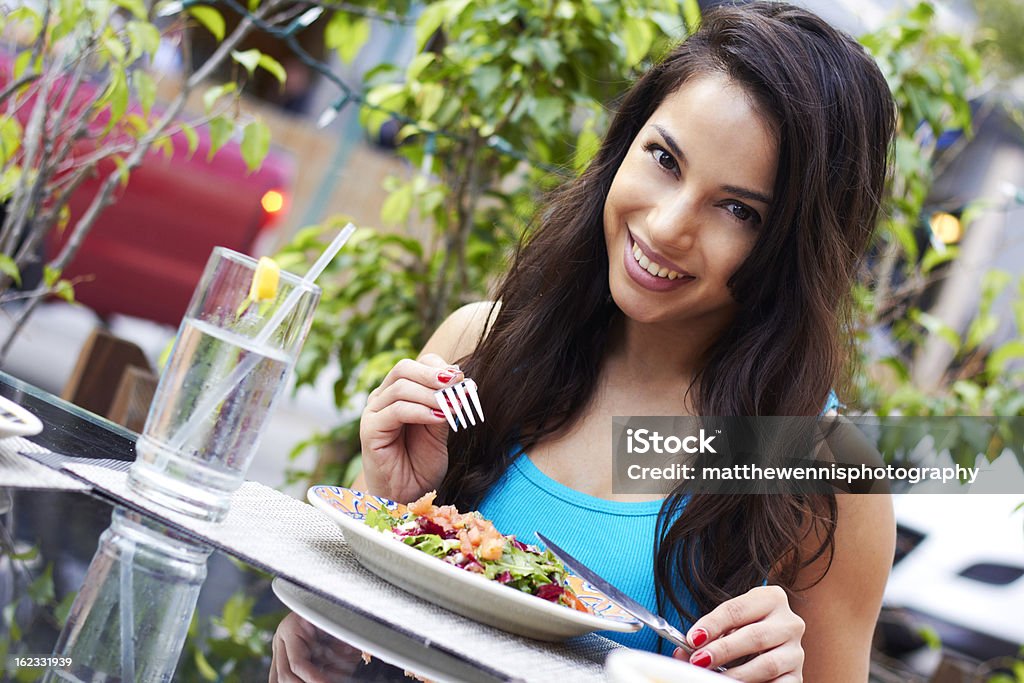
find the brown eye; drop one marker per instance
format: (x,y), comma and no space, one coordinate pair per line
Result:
(665,160)
(743,213)
(662,157)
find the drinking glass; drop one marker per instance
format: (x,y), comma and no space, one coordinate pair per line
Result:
(229,366)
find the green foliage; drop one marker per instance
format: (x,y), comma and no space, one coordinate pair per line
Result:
(1002,24)
(34,605)
(931,74)
(234,646)
(67,113)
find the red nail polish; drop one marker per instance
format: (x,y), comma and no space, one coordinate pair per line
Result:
(444,377)
(701,659)
(699,637)
(437,412)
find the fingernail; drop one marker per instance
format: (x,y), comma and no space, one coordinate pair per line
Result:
(698,637)
(437,412)
(701,659)
(445,377)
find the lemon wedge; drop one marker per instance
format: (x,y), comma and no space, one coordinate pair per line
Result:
(265,280)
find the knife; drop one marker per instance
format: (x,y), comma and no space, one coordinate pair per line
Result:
(650,619)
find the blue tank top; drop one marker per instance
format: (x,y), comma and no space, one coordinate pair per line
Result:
(613,538)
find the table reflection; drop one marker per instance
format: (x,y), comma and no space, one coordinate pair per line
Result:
(303,652)
(131,617)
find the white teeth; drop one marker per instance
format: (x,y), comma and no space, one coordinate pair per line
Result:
(652,267)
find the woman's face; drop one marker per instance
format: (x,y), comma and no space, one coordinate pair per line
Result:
(687,203)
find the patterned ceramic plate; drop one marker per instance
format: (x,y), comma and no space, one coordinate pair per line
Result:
(16,421)
(463,592)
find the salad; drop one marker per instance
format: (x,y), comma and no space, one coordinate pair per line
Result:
(470,542)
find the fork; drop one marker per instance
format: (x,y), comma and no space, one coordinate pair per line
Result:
(460,399)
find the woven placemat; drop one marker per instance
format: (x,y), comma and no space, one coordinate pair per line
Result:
(287,537)
(17,471)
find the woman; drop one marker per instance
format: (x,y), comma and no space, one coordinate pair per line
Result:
(701,265)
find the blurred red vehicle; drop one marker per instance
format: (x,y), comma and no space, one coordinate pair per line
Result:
(146,251)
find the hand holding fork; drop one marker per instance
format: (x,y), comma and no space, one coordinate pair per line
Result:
(404,427)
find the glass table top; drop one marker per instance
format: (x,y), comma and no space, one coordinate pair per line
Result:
(91,591)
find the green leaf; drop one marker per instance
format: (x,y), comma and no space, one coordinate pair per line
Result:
(937,327)
(21,64)
(236,612)
(11,622)
(418,64)
(136,7)
(588,143)
(192,136)
(65,290)
(145,90)
(210,18)
(271,65)
(547,111)
(213,94)
(203,665)
(390,327)
(430,97)
(144,39)
(63,609)
(10,137)
(115,48)
(638,35)
(9,179)
(930,636)
(981,328)
(933,258)
(116,96)
(249,59)
(997,360)
(395,209)
(255,144)
(428,23)
(9,268)
(122,170)
(347,34)
(221,130)
(691,14)
(387,96)
(41,589)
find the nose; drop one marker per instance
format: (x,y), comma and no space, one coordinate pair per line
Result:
(674,221)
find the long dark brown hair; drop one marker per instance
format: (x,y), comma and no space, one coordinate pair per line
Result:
(834,117)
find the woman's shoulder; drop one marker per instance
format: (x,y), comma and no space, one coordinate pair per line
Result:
(459,334)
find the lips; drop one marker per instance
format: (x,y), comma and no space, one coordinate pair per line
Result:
(648,280)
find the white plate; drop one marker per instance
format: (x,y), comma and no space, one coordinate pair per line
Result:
(635,666)
(468,594)
(16,421)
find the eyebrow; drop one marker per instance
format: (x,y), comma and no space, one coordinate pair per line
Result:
(743,192)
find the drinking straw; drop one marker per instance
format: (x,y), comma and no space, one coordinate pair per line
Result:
(223,389)
(127,609)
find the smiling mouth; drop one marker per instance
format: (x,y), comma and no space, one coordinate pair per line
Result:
(655,269)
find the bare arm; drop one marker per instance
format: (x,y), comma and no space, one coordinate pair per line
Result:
(841,610)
